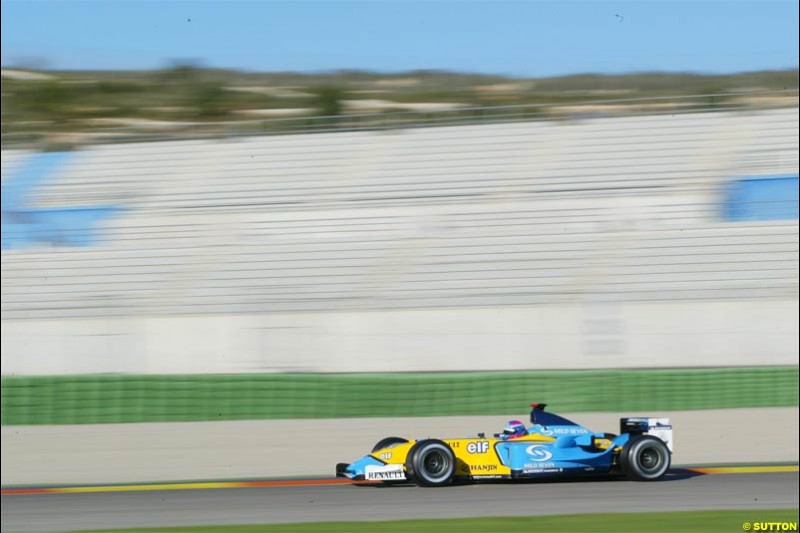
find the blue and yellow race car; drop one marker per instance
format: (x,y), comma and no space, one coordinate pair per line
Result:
(550,446)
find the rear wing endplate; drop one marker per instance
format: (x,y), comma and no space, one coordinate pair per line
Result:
(657,427)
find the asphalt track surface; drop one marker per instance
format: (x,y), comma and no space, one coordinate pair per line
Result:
(312,503)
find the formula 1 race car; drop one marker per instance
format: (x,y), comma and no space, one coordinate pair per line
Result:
(552,446)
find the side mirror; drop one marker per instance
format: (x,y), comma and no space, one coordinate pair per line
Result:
(481,435)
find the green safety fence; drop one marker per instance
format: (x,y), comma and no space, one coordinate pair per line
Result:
(92,399)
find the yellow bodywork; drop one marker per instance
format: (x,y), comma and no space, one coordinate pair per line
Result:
(475,457)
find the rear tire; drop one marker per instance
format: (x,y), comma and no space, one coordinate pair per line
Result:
(431,463)
(645,458)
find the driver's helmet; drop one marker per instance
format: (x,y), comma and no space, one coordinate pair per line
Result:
(514,429)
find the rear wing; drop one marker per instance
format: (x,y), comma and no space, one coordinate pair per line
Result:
(657,427)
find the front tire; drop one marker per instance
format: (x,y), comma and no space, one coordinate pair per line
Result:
(645,458)
(431,463)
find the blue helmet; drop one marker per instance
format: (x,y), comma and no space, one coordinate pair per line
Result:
(515,429)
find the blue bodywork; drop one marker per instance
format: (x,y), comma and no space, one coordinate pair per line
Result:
(573,452)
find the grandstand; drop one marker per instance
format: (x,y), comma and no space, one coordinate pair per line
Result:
(532,214)
(525,213)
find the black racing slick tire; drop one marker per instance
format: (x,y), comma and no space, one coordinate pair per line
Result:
(388,442)
(431,463)
(645,458)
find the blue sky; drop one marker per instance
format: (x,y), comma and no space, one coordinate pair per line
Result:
(525,38)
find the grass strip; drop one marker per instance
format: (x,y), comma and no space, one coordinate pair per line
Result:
(93,399)
(669,522)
